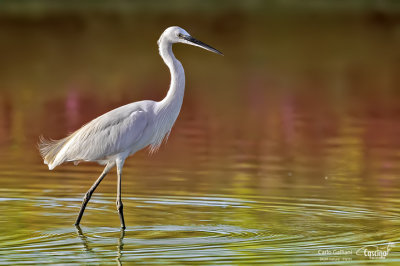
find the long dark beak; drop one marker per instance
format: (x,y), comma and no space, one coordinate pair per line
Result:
(198,43)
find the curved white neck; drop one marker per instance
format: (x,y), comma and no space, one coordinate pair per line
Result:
(173,99)
(167,110)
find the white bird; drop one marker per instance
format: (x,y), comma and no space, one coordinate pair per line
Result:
(110,138)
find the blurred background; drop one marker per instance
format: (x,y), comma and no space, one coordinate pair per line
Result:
(287,144)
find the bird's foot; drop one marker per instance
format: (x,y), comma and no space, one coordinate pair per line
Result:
(120,209)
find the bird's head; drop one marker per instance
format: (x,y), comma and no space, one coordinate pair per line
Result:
(176,34)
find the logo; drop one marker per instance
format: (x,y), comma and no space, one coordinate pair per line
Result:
(375,252)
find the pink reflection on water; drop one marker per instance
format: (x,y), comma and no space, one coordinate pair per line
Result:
(72,109)
(287,109)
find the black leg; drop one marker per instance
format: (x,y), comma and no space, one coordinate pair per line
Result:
(89,193)
(120,206)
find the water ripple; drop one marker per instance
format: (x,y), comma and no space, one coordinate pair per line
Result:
(197,228)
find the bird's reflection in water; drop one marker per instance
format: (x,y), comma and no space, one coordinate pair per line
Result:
(120,245)
(82,236)
(88,249)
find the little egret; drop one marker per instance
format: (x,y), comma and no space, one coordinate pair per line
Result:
(110,138)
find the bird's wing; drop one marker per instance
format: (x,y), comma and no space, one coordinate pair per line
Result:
(112,133)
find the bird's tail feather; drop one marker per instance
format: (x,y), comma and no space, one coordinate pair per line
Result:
(50,148)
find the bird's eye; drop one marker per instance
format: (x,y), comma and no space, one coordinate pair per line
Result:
(180,35)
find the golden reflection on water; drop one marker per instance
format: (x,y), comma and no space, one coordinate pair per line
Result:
(286,146)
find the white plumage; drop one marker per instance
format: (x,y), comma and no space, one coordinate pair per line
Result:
(110,138)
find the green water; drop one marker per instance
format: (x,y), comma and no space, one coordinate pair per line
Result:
(286,150)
